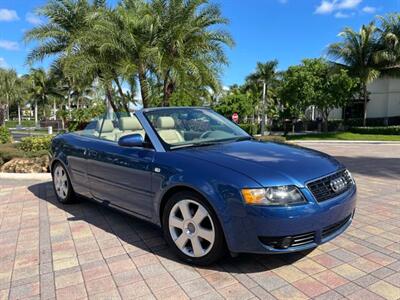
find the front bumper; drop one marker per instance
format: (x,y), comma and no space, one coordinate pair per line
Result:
(264,229)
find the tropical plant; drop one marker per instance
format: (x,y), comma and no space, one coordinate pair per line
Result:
(8,89)
(190,48)
(236,100)
(5,135)
(389,54)
(66,19)
(38,89)
(265,77)
(358,53)
(319,84)
(35,143)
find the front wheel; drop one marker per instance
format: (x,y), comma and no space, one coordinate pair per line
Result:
(192,229)
(62,184)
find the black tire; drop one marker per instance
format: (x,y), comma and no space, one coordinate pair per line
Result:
(70,196)
(218,249)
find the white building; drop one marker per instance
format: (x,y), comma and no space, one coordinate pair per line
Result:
(384,102)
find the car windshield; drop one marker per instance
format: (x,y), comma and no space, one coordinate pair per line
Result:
(193,127)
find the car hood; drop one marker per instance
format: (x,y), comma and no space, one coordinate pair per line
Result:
(268,163)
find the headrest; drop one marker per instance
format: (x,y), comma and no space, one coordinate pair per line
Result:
(165,123)
(107,126)
(129,123)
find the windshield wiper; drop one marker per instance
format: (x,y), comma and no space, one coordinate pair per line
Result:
(242,138)
(201,144)
(210,143)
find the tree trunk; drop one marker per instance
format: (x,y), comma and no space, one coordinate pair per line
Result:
(166,90)
(54,109)
(36,114)
(62,116)
(365,95)
(110,100)
(325,124)
(69,103)
(144,89)
(125,100)
(2,115)
(8,110)
(19,115)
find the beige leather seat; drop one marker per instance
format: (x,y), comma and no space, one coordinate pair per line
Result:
(108,132)
(130,125)
(167,131)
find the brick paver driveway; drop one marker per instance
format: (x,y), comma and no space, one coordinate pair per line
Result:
(50,250)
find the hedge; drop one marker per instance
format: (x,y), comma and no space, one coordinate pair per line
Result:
(272,138)
(250,128)
(5,135)
(10,151)
(387,130)
(35,143)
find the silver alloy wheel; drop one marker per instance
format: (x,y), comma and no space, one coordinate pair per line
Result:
(60,182)
(191,228)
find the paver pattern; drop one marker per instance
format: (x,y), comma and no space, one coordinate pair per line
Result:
(49,250)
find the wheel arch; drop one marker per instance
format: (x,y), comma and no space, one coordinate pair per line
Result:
(177,189)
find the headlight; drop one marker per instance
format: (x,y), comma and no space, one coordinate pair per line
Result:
(277,195)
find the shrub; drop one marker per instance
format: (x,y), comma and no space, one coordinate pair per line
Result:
(81,116)
(272,138)
(8,152)
(251,129)
(387,130)
(36,143)
(5,135)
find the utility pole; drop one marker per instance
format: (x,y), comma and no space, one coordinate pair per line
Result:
(263,108)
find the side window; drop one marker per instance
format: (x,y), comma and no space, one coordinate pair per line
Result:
(90,130)
(109,127)
(116,125)
(130,125)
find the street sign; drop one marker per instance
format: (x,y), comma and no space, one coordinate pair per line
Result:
(235,117)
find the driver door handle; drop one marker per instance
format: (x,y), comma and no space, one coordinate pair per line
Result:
(92,153)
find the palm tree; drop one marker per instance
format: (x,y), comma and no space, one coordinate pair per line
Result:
(120,46)
(21,94)
(41,88)
(389,55)
(265,74)
(66,19)
(189,47)
(9,84)
(59,38)
(358,53)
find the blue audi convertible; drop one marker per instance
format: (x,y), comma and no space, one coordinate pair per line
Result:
(209,185)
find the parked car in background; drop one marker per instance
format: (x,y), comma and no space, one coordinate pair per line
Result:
(209,185)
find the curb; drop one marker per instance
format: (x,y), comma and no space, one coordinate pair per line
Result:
(26,176)
(344,142)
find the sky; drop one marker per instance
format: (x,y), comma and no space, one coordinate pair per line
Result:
(286,30)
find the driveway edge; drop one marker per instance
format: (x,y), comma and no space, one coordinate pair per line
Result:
(343,142)
(25,176)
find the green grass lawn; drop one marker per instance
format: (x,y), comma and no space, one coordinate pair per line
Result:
(345,136)
(33,132)
(24,123)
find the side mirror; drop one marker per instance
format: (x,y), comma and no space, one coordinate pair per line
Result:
(131,140)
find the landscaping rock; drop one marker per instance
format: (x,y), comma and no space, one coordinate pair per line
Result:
(27,165)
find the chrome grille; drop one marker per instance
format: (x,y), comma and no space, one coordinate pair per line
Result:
(322,189)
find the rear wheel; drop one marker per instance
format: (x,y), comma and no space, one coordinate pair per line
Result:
(192,229)
(62,184)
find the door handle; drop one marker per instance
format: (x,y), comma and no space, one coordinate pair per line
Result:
(92,153)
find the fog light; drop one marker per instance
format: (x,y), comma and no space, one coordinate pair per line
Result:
(286,242)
